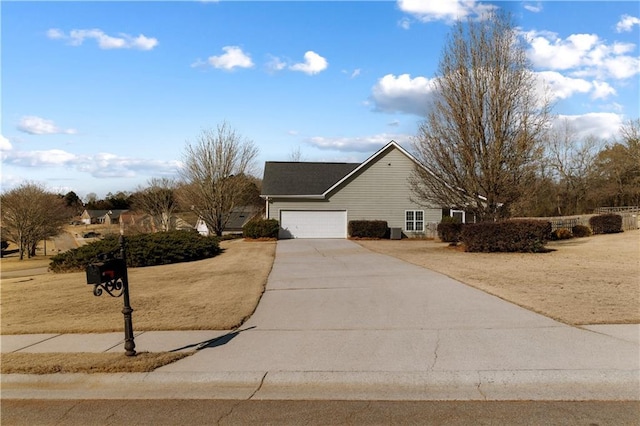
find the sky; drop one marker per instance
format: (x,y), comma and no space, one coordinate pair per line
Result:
(100,97)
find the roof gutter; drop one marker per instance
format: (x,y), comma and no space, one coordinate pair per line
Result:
(314,197)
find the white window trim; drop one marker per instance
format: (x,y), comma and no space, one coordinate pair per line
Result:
(464,215)
(414,221)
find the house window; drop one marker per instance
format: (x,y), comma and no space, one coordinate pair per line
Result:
(459,215)
(414,220)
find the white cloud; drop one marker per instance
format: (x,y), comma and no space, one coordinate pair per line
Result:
(627,23)
(582,55)
(404,23)
(5,144)
(233,57)
(604,125)
(403,94)
(40,126)
(355,73)
(602,90)
(444,10)
(101,165)
(535,8)
(560,86)
(105,41)
(368,144)
(275,64)
(55,33)
(313,64)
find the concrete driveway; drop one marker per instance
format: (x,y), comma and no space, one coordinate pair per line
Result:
(335,313)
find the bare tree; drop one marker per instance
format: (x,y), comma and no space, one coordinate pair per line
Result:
(616,174)
(572,161)
(31,214)
(296,155)
(215,173)
(158,200)
(482,136)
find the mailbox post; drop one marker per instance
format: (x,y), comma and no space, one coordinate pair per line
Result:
(110,275)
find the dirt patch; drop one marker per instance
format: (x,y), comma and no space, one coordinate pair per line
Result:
(212,294)
(593,280)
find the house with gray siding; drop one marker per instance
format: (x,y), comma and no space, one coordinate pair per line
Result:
(317,200)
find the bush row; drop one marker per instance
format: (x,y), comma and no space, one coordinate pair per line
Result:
(261,228)
(159,248)
(525,236)
(368,228)
(606,224)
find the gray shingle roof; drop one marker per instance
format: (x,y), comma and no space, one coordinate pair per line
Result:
(302,178)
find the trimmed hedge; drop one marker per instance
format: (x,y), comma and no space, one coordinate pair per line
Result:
(581,231)
(523,236)
(261,228)
(606,223)
(449,230)
(368,228)
(159,248)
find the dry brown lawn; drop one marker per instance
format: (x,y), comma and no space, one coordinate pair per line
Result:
(593,280)
(50,363)
(218,293)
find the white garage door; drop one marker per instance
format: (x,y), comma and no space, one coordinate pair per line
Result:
(313,224)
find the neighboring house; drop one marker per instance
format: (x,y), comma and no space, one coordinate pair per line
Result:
(239,217)
(105,217)
(317,200)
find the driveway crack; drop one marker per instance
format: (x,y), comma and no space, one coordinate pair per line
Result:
(435,351)
(236,405)
(479,387)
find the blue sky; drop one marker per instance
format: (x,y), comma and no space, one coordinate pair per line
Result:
(99,97)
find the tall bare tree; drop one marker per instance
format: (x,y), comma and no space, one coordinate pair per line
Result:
(483,133)
(572,160)
(159,200)
(216,169)
(31,214)
(617,169)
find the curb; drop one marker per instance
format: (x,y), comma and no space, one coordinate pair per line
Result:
(530,385)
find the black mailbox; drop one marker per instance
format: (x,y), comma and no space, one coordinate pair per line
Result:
(102,272)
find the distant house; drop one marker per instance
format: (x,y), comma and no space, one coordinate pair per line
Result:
(143,222)
(239,217)
(317,200)
(105,217)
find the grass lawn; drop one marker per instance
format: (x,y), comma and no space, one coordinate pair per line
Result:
(51,363)
(594,280)
(212,294)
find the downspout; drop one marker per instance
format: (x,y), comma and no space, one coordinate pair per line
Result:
(267,207)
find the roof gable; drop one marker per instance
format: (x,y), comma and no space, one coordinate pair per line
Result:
(304,179)
(283,178)
(373,159)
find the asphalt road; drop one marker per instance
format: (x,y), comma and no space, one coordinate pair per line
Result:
(256,412)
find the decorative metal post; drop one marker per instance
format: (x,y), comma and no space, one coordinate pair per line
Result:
(110,275)
(129,344)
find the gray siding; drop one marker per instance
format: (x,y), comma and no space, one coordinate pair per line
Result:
(378,192)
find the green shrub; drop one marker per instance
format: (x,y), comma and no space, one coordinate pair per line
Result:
(581,231)
(606,223)
(561,234)
(368,228)
(525,236)
(261,228)
(449,229)
(160,248)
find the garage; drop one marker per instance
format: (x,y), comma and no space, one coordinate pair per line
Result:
(313,224)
